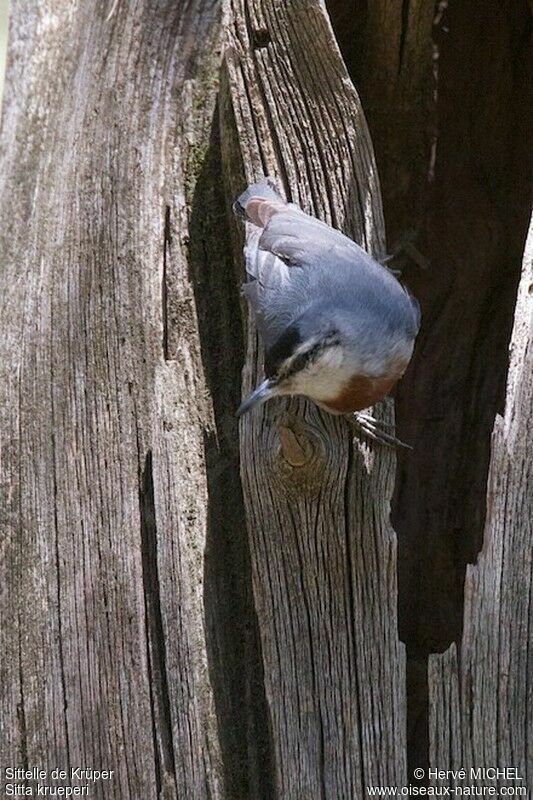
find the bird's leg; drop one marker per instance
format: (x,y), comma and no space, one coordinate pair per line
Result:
(373,428)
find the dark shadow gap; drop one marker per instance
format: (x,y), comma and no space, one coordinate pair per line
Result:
(159,694)
(234,651)
(167,244)
(470,224)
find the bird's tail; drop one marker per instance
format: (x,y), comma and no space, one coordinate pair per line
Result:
(258,202)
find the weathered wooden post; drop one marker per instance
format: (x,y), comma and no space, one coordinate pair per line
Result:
(105,499)
(480,691)
(317,501)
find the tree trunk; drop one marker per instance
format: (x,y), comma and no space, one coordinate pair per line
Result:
(129,637)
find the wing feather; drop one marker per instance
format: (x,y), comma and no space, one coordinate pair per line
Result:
(293,260)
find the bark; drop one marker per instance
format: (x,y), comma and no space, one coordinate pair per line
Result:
(480,692)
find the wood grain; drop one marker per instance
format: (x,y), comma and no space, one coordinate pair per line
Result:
(322,548)
(104,655)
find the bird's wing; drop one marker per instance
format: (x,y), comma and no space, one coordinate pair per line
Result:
(331,265)
(304,241)
(292,259)
(274,297)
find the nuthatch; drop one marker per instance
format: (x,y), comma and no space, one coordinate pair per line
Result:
(337,326)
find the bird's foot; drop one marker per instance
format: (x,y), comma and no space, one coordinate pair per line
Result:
(374,429)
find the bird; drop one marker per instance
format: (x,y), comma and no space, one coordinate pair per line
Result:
(337,326)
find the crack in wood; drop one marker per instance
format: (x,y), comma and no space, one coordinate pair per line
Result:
(21,708)
(155,636)
(261,38)
(454,387)
(167,242)
(56,530)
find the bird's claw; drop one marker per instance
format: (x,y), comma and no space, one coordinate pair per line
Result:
(373,428)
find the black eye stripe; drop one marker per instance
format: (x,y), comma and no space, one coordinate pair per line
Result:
(278,367)
(281,350)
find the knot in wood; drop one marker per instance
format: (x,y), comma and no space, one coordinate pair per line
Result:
(296,448)
(300,458)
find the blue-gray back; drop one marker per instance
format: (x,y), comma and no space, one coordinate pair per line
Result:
(297,262)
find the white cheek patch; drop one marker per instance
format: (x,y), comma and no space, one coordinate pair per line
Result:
(324,378)
(331,358)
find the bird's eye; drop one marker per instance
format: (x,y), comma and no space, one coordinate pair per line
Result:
(301,360)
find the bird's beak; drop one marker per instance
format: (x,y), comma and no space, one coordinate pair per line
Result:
(256,398)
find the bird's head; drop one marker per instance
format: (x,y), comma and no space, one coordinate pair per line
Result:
(304,361)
